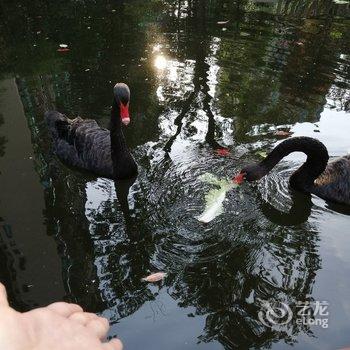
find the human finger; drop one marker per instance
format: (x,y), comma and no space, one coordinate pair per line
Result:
(114,344)
(3,296)
(99,327)
(65,309)
(83,318)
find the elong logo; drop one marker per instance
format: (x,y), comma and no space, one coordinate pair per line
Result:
(277,313)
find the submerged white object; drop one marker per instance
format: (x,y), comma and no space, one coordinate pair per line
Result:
(214,198)
(214,206)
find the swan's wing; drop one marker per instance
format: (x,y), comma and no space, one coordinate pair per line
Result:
(334,183)
(81,143)
(93,146)
(60,129)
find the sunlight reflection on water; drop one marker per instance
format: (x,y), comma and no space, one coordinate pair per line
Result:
(160,62)
(202,78)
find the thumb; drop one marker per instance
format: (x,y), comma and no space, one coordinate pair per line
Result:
(3,296)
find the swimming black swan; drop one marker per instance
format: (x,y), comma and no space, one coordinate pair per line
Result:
(84,144)
(328,181)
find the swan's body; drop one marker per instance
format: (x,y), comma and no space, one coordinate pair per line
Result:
(328,181)
(82,143)
(334,183)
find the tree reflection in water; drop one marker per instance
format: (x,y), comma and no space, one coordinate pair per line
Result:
(217,88)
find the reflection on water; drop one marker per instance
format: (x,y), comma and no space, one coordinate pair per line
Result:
(203,76)
(161,63)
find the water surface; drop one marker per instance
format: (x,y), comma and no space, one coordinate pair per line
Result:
(203,75)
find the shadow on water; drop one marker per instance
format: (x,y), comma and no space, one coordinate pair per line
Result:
(2,139)
(231,73)
(11,260)
(123,188)
(298,213)
(10,256)
(339,208)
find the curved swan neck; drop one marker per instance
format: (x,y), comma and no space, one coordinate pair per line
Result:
(316,162)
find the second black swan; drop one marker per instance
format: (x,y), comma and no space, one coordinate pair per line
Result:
(84,144)
(330,181)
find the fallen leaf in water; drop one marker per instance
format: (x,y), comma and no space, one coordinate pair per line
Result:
(282,133)
(222,151)
(214,198)
(223,22)
(63,49)
(211,179)
(336,35)
(154,277)
(262,154)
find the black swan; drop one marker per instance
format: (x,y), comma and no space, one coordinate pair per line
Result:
(84,144)
(328,181)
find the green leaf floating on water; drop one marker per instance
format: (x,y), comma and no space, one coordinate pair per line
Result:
(214,199)
(213,180)
(336,35)
(262,154)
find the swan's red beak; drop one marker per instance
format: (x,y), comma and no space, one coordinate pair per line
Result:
(126,121)
(239,179)
(124,113)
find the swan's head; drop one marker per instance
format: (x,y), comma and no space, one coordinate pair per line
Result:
(250,173)
(122,97)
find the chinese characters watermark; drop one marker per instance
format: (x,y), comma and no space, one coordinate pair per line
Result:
(308,313)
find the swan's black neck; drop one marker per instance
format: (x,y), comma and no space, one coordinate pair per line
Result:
(124,165)
(118,142)
(316,162)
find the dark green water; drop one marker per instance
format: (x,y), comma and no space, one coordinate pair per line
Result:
(196,84)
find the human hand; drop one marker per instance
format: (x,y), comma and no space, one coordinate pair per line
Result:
(59,326)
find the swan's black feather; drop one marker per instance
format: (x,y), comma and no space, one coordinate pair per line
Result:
(334,183)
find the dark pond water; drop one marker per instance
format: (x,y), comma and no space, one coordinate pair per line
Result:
(196,85)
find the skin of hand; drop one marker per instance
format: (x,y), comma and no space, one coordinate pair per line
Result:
(59,326)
